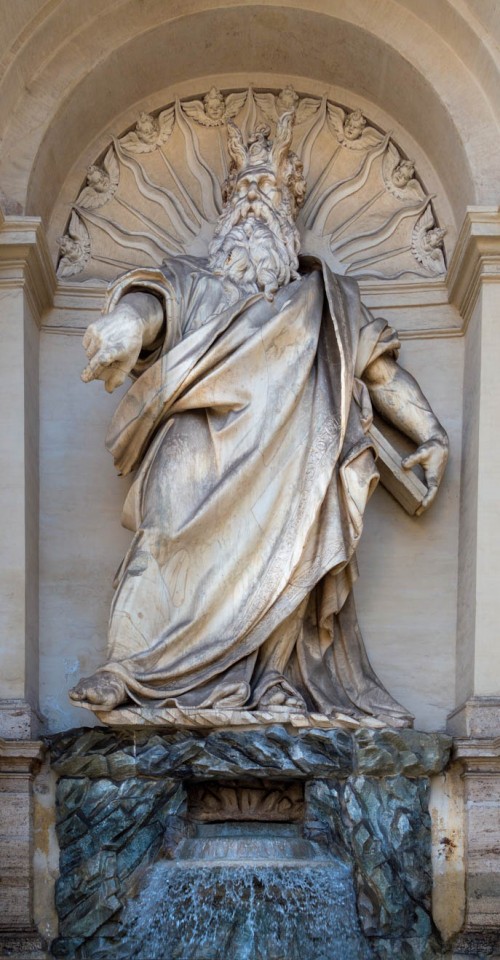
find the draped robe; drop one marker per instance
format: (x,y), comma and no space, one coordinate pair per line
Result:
(246,427)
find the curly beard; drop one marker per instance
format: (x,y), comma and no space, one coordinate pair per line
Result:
(254,249)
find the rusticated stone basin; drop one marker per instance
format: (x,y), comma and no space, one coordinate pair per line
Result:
(151,865)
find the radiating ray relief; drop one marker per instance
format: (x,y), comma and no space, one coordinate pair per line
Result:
(157,191)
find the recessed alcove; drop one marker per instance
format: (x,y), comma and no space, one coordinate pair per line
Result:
(72,76)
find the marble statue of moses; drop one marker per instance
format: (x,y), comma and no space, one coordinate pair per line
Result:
(246,425)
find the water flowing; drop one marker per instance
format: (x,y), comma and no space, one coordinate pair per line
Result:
(243,897)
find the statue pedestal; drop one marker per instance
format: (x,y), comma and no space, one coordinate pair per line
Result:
(196,718)
(231,810)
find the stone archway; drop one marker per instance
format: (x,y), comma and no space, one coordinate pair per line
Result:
(71,76)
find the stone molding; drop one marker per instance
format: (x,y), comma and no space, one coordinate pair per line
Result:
(77,303)
(20,756)
(477,718)
(478,755)
(476,258)
(25,261)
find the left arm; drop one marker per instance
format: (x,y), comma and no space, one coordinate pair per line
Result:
(396,395)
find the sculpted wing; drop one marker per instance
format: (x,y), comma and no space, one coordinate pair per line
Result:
(196,111)
(112,168)
(75,247)
(166,121)
(90,199)
(427,243)
(306,109)
(133,144)
(234,103)
(267,104)
(335,116)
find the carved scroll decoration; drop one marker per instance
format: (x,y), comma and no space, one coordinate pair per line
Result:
(156,191)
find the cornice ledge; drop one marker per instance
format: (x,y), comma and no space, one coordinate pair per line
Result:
(20,756)
(25,260)
(478,752)
(476,258)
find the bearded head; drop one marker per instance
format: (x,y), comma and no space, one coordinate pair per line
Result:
(256,243)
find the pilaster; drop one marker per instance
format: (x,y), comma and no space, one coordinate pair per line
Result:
(479,759)
(19,761)
(474,288)
(27,283)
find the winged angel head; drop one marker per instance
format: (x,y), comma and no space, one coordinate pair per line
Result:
(256,243)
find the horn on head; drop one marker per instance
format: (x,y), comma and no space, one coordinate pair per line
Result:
(236,146)
(283,139)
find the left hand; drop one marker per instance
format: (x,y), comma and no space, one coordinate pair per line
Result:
(432,457)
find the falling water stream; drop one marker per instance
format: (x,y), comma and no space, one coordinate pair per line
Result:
(246,892)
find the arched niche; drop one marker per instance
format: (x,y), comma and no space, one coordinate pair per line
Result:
(69,78)
(155,190)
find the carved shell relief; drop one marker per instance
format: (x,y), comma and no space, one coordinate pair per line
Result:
(156,192)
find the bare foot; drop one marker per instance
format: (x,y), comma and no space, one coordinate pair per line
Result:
(281,695)
(102,691)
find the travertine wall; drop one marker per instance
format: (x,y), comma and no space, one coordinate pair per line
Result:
(71,76)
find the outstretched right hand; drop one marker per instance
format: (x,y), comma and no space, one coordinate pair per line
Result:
(113,345)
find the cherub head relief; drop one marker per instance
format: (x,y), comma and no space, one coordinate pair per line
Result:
(403,172)
(215,107)
(70,248)
(354,124)
(433,239)
(98,179)
(147,128)
(256,242)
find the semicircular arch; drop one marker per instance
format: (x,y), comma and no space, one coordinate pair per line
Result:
(101,63)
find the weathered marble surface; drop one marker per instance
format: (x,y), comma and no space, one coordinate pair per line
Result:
(292,476)
(122,803)
(197,718)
